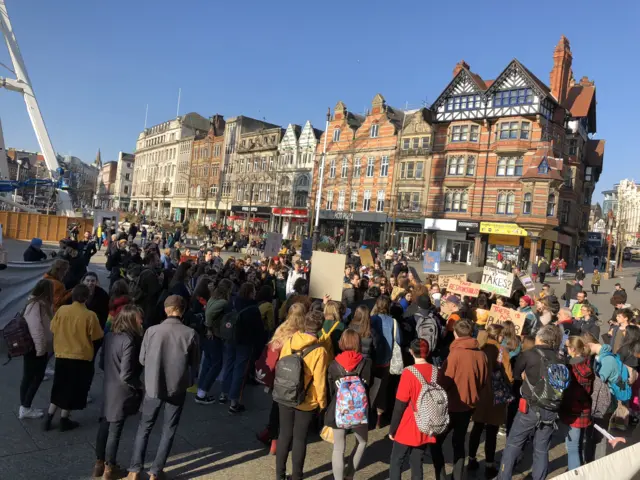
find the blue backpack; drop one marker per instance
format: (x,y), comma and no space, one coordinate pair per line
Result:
(352,403)
(621,389)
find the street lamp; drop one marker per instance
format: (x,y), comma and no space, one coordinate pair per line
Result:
(316,229)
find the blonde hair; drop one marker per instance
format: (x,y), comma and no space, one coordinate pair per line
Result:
(332,311)
(579,345)
(58,269)
(293,324)
(127,320)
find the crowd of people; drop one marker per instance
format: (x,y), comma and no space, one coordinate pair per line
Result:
(394,350)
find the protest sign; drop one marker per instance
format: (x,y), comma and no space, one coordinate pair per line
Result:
(307,249)
(327,273)
(497,281)
(431,263)
(365,257)
(466,289)
(500,315)
(443,280)
(527,282)
(273,244)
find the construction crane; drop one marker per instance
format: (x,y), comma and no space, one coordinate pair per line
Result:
(22,84)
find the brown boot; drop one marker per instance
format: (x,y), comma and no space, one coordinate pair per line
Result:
(134,476)
(98,469)
(111,472)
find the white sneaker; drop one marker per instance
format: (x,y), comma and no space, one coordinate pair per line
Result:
(30,413)
(49,372)
(89,399)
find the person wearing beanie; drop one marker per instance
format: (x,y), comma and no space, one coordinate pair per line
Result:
(34,252)
(530,322)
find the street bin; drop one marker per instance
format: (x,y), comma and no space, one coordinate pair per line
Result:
(612,269)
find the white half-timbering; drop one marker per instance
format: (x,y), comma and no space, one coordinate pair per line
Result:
(463,99)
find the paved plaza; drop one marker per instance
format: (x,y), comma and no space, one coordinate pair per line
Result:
(210,443)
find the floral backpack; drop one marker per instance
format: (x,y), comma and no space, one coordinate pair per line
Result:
(352,403)
(502,394)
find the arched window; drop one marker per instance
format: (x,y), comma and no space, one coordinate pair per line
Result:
(511,203)
(464,202)
(456,201)
(502,167)
(332,168)
(471,165)
(502,204)
(526,203)
(345,167)
(448,201)
(336,135)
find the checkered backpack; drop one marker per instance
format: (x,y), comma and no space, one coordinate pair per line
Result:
(432,406)
(16,334)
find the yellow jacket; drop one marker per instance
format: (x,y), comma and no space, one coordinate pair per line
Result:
(315,372)
(74,329)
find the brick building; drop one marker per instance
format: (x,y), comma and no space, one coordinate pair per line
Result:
(359,167)
(511,160)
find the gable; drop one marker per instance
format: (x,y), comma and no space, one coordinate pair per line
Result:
(517,76)
(463,83)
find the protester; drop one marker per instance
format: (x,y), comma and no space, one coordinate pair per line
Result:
(56,273)
(98,299)
(616,334)
(77,265)
(248,336)
(37,313)
(536,415)
(491,409)
(575,410)
(118,298)
(264,298)
(349,377)
(170,354)
(408,439)
(562,266)
(543,268)
(75,330)
(588,322)
(332,327)
(465,375)
(595,281)
(122,391)
(296,420)
(369,340)
(34,252)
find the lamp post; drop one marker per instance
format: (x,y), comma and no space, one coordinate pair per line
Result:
(316,229)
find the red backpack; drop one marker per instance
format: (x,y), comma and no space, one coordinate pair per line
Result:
(16,334)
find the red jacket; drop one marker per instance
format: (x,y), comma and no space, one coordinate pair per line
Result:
(266,366)
(575,410)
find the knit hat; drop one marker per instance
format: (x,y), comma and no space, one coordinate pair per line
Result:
(527,299)
(36,242)
(453,299)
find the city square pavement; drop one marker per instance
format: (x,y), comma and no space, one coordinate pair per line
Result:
(210,444)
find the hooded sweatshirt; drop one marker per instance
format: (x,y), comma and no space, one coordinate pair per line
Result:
(465,374)
(315,370)
(345,362)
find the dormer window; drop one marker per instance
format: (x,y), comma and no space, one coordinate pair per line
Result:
(463,102)
(519,96)
(543,168)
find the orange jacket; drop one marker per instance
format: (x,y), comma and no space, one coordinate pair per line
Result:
(61,295)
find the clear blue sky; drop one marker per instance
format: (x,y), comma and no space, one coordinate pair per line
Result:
(96,65)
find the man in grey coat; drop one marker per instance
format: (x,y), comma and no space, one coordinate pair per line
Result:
(170,355)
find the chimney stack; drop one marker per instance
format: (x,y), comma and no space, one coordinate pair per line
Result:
(459,66)
(561,73)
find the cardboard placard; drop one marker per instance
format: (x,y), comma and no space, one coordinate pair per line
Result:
(307,249)
(327,273)
(527,282)
(497,281)
(466,289)
(443,280)
(431,263)
(365,257)
(273,244)
(500,315)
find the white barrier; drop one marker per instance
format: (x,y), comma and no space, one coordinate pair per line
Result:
(621,465)
(16,281)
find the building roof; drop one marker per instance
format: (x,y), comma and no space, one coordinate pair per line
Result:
(581,101)
(595,153)
(554,172)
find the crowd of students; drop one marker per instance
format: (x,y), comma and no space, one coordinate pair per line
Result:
(385,353)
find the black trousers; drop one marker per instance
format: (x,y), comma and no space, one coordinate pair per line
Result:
(399,453)
(274,420)
(594,288)
(108,440)
(490,440)
(294,427)
(542,275)
(33,368)
(458,423)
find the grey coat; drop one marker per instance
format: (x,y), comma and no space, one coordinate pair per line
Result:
(171,356)
(122,385)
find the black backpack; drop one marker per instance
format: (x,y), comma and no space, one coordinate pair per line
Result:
(288,386)
(549,389)
(229,325)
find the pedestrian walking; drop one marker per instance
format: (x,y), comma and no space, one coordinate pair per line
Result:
(595,281)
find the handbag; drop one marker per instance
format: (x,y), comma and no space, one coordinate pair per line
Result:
(502,393)
(327,434)
(397,365)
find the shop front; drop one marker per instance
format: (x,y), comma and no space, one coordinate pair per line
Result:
(506,241)
(293,223)
(408,235)
(258,218)
(362,228)
(444,237)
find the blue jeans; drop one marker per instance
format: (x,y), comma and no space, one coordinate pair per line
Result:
(540,423)
(574,441)
(150,410)
(236,361)
(212,350)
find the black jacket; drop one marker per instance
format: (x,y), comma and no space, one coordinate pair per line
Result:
(99,304)
(250,328)
(590,326)
(33,255)
(530,363)
(77,269)
(369,344)
(122,384)
(88,250)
